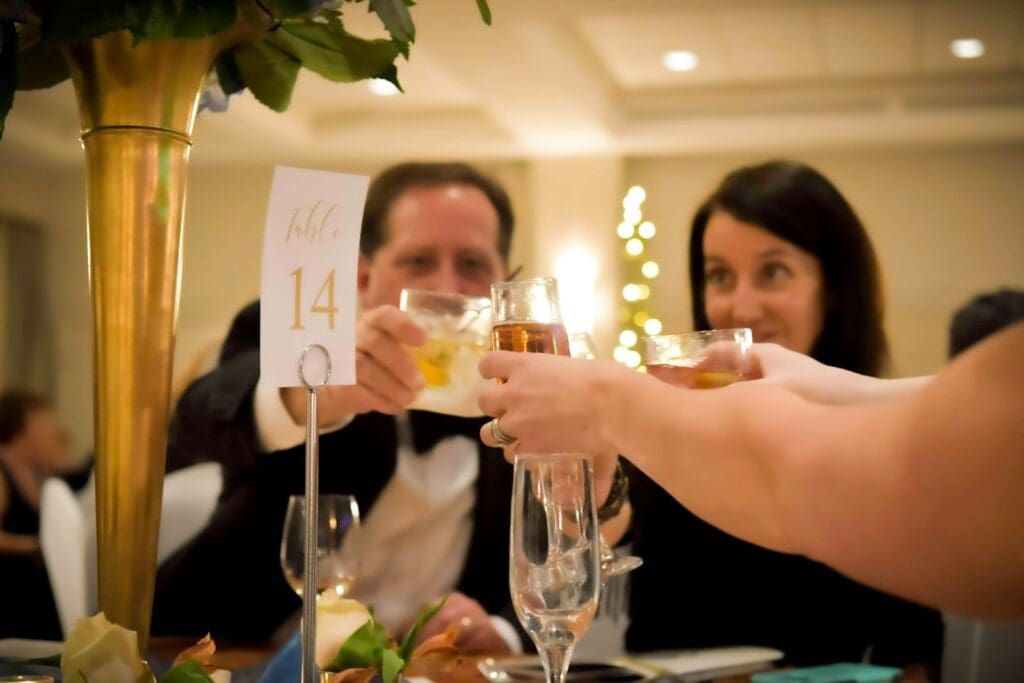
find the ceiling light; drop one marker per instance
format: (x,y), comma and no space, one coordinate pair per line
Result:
(967,48)
(378,86)
(680,60)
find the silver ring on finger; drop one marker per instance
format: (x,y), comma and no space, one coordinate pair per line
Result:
(501,438)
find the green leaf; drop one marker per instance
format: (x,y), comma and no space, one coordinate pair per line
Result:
(391,666)
(396,19)
(52,660)
(403,49)
(41,67)
(155,21)
(390,74)
(485,11)
(8,69)
(362,650)
(161,19)
(227,74)
(201,18)
(268,72)
(409,642)
(329,50)
(76,21)
(189,671)
(18,10)
(287,9)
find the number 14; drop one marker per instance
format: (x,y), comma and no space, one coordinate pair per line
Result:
(326,288)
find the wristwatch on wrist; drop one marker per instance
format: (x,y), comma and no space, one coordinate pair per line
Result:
(617,497)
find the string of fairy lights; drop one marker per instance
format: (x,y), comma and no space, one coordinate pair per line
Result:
(638,271)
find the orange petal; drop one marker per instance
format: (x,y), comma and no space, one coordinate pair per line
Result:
(201,652)
(354,676)
(436,656)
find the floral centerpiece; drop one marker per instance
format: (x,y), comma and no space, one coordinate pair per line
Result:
(97,651)
(350,648)
(353,648)
(274,39)
(138,67)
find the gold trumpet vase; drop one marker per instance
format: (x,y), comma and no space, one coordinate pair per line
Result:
(137,107)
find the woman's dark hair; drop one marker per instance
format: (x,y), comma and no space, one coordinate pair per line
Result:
(15,406)
(798,204)
(393,181)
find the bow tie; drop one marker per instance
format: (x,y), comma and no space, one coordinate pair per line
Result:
(430,428)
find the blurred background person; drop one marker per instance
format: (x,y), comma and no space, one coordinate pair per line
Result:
(33,446)
(982,316)
(778,249)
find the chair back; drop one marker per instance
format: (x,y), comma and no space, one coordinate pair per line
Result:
(64,535)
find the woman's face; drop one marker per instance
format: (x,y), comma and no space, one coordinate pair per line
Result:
(752,278)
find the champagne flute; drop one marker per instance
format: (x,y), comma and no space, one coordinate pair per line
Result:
(582,346)
(554,569)
(527,317)
(337,543)
(700,360)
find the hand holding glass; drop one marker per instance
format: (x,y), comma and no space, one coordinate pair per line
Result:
(337,543)
(458,334)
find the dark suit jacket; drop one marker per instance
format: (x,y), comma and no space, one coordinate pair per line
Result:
(228,580)
(717,590)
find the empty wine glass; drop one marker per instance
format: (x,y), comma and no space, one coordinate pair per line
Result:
(337,543)
(554,574)
(582,346)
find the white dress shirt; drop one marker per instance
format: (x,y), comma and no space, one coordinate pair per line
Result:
(413,544)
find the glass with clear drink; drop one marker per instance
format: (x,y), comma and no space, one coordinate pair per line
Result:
(458,333)
(700,360)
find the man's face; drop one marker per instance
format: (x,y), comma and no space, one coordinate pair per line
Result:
(442,238)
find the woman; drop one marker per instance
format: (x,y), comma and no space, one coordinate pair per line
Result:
(912,486)
(775,248)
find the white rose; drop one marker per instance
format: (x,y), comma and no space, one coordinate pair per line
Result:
(98,651)
(336,619)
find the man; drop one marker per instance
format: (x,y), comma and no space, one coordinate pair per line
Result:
(435,511)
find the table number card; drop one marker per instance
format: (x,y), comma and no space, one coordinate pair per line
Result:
(308,287)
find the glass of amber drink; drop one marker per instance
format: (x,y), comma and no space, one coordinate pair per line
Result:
(527,317)
(700,360)
(458,333)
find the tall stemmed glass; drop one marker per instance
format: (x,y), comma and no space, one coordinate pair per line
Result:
(554,574)
(527,317)
(337,543)
(582,346)
(554,571)
(700,360)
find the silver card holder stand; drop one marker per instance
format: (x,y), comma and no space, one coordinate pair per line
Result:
(310,673)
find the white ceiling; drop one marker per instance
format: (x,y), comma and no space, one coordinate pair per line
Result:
(584,77)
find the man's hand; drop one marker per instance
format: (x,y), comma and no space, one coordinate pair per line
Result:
(476,633)
(387,379)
